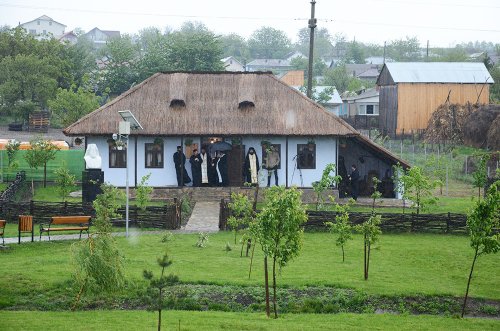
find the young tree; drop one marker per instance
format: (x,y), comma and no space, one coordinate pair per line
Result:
(279,231)
(98,262)
(480,176)
(370,229)
(328,179)
(41,152)
(143,193)
(242,214)
(419,188)
(157,286)
(268,43)
(342,226)
(12,149)
(483,222)
(65,181)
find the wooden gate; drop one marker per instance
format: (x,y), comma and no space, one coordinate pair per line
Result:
(235,159)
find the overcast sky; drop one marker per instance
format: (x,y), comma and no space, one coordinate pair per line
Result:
(442,22)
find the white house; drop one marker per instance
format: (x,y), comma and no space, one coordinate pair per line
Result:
(244,109)
(100,37)
(334,102)
(232,64)
(44,27)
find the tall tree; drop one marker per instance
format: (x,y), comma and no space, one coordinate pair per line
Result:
(120,72)
(322,42)
(355,53)
(194,48)
(269,43)
(404,49)
(235,45)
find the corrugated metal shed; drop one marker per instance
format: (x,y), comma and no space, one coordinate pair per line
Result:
(439,72)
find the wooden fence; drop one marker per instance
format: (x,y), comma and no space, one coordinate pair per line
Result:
(167,216)
(391,222)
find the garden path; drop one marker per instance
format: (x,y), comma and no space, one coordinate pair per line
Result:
(204,218)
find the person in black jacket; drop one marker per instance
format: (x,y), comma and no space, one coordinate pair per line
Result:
(196,162)
(354,178)
(180,169)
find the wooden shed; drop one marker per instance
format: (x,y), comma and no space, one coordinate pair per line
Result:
(410,92)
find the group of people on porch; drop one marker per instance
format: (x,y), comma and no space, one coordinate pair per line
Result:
(213,171)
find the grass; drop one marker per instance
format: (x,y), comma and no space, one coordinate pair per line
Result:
(190,320)
(401,264)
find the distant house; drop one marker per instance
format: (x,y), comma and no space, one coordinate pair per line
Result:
(333,104)
(69,37)
(362,110)
(244,109)
(44,27)
(410,92)
(293,77)
(367,71)
(100,37)
(293,55)
(274,65)
(378,60)
(369,75)
(232,64)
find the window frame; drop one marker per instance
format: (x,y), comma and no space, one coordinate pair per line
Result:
(114,150)
(300,162)
(159,165)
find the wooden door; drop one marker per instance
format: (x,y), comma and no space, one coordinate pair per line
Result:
(235,159)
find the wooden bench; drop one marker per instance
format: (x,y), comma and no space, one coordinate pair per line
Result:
(60,223)
(2,230)
(25,224)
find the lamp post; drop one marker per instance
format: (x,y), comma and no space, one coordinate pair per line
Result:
(129,122)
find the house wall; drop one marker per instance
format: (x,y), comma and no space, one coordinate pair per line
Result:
(56,29)
(388,109)
(233,65)
(326,152)
(417,102)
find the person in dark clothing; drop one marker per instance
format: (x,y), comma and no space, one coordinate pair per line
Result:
(221,167)
(251,167)
(196,162)
(354,178)
(180,169)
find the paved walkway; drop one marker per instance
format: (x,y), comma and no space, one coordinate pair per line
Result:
(204,218)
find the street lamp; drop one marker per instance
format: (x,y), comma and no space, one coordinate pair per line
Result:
(129,122)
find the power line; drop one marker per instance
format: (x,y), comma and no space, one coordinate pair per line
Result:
(404,3)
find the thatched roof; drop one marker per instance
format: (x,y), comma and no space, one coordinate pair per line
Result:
(212,107)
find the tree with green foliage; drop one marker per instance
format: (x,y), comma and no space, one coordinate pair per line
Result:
(302,63)
(143,193)
(120,72)
(480,176)
(236,46)
(279,231)
(355,53)
(342,81)
(241,213)
(97,259)
(370,229)
(12,148)
(342,226)
(72,104)
(495,87)
(420,188)
(483,223)
(438,165)
(322,42)
(40,153)
(328,180)
(404,50)
(269,43)
(65,181)
(157,286)
(194,48)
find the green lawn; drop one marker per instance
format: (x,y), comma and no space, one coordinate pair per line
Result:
(190,320)
(402,264)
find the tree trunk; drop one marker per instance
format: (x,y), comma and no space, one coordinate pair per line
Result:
(45,174)
(251,261)
(274,288)
(249,245)
(343,256)
(368,260)
(159,312)
(364,262)
(241,252)
(468,282)
(266,285)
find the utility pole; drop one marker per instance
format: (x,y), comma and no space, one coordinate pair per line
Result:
(312,25)
(385,43)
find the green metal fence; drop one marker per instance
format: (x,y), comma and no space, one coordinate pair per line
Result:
(71,159)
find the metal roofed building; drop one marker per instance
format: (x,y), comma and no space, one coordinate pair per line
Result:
(410,92)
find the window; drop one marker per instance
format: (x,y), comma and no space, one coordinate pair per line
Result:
(306,156)
(367,109)
(154,155)
(38,22)
(50,22)
(117,157)
(33,31)
(44,31)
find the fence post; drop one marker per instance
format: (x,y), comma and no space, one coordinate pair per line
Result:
(448,223)
(65,207)
(446,180)
(32,207)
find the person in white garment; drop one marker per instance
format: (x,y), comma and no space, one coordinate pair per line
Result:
(205,164)
(251,167)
